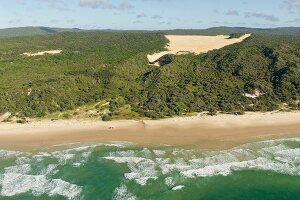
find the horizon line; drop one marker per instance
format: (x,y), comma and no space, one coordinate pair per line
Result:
(151,29)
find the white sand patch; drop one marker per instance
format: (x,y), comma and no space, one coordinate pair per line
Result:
(5,116)
(256,94)
(41,53)
(180,44)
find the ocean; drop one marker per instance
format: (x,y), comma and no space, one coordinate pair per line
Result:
(264,170)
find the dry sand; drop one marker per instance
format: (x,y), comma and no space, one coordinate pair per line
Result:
(41,53)
(179,44)
(222,131)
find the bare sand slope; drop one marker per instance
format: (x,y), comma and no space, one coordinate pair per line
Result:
(179,44)
(41,53)
(222,131)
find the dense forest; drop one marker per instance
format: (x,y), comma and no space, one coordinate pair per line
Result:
(33,31)
(40,30)
(112,68)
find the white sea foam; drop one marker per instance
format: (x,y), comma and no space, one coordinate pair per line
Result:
(63,188)
(17,179)
(119,144)
(50,169)
(23,160)
(16,183)
(169,181)
(179,187)
(281,156)
(23,169)
(292,154)
(177,152)
(121,193)
(276,148)
(142,169)
(79,155)
(73,155)
(1,178)
(41,156)
(159,152)
(7,154)
(63,157)
(134,160)
(273,155)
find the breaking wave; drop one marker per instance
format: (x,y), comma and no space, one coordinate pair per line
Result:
(280,156)
(30,173)
(41,173)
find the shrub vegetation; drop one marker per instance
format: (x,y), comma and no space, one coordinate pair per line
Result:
(113,67)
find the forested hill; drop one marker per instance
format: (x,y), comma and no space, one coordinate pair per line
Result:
(34,31)
(107,76)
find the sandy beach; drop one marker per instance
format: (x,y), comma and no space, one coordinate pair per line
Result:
(222,131)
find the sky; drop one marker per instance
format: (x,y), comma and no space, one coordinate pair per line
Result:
(149,14)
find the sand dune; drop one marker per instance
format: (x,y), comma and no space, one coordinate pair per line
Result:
(180,44)
(41,53)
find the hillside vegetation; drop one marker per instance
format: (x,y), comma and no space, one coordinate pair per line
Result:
(233,31)
(33,31)
(109,72)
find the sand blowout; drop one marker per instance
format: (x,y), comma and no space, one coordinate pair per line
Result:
(182,44)
(41,53)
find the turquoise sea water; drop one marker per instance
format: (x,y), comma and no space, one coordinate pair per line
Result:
(266,170)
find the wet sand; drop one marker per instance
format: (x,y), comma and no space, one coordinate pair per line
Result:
(213,132)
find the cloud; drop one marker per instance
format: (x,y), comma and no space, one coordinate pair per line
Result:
(95,3)
(71,21)
(142,15)
(165,23)
(138,22)
(124,6)
(53,21)
(56,4)
(156,17)
(264,16)
(232,13)
(216,11)
(292,5)
(295,21)
(105,4)
(15,21)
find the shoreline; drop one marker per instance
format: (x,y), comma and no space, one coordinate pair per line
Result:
(215,132)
